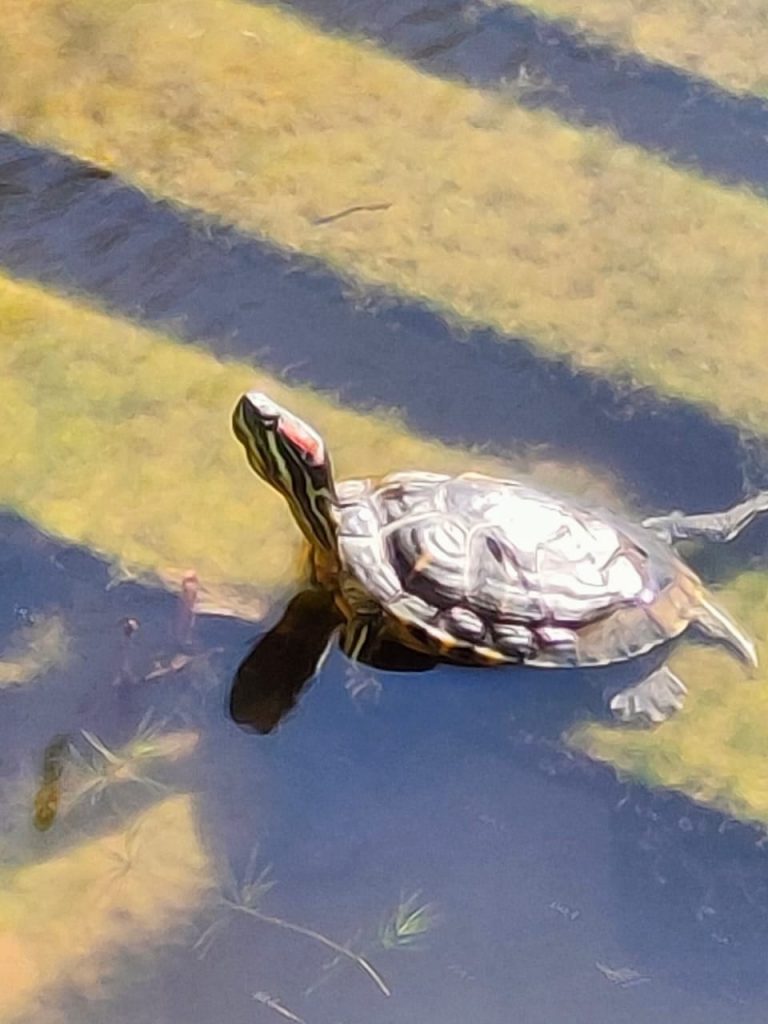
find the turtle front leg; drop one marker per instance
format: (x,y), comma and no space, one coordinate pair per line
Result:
(360,635)
(715,526)
(655,699)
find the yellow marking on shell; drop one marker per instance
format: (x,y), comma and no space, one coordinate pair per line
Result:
(490,656)
(421,563)
(689,582)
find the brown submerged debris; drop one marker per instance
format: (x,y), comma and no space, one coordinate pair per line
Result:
(48,796)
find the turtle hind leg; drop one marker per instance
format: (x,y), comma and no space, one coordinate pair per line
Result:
(714,526)
(653,700)
(359,636)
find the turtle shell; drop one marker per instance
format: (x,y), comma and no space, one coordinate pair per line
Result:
(486,570)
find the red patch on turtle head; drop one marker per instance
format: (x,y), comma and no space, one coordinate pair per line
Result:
(302,438)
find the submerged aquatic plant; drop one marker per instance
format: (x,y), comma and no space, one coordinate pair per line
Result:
(245,897)
(248,893)
(129,764)
(121,861)
(409,923)
(405,928)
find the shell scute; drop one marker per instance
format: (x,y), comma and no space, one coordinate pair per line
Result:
(515,640)
(376,575)
(358,520)
(464,623)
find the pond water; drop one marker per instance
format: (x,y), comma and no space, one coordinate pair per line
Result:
(530,882)
(405,846)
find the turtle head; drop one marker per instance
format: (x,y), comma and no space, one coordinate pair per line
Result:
(291,456)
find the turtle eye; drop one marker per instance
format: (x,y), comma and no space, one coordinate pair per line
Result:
(301,437)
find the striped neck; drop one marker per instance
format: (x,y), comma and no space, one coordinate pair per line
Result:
(291,456)
(305,483)
(309,490)
(312,509)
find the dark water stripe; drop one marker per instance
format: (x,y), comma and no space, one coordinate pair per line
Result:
(689,119)
(69,225)
(685,886)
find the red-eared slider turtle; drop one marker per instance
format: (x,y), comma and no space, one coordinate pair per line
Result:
(484,571)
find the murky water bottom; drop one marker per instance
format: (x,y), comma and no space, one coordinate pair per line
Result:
(531,884)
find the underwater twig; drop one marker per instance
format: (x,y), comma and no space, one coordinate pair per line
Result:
(334,963)
(310,933)
(204,942)
(274,1004)
(179,662)
(244,897)
(186,607)
(360,208)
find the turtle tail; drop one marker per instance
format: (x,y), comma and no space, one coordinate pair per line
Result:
(718,625)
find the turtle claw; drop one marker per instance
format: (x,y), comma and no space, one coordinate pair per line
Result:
(654,699)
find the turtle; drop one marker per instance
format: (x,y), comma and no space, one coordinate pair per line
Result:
(479,570)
